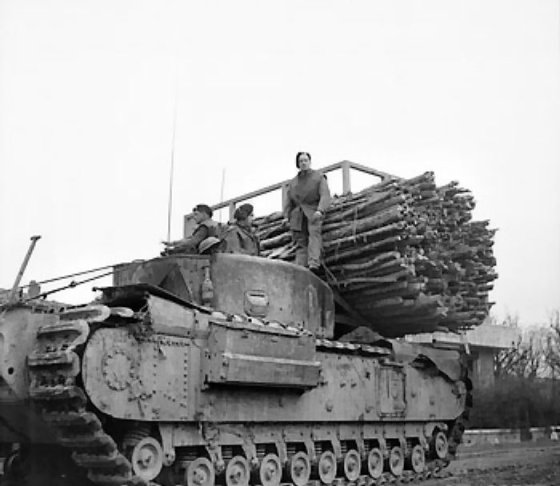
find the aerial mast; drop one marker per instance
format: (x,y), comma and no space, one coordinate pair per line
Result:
(171,170)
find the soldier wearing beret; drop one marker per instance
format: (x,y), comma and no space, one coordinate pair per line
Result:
(307,199)
(207,227)
(240,236)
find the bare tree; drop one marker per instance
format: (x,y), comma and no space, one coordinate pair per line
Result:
(506,360)
(525,360)
(553,343)
(528,358)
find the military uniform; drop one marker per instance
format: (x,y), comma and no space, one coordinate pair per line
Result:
(307,193)
(240,238)
(190,245)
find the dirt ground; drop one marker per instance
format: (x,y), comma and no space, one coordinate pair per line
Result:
(534,464)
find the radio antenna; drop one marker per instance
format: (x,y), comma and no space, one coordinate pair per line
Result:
(171,169)
(222,190)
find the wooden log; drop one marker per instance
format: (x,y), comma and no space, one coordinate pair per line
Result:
(360,210)
(396,289)
(366,236)
(380,269)
(367,262)
(392,277)
(392,216)
(339,256)
(276,241)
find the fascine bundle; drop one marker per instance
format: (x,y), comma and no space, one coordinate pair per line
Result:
(403,254)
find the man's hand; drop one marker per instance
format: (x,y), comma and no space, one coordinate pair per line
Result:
(317,215)
(173,243)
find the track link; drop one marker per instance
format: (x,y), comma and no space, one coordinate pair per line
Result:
(54,366)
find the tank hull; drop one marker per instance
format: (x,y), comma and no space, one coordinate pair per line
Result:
(149,387)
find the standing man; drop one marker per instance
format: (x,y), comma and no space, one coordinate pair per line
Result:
(207,227)
(307,199)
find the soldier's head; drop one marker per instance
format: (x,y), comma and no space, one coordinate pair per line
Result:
(244,214)
(202,212)
(303,160)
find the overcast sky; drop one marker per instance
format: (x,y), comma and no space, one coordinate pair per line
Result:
(467,89)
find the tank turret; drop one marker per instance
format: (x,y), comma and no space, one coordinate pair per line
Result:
(256,287)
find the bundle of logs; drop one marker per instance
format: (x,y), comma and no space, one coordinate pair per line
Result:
(404,255)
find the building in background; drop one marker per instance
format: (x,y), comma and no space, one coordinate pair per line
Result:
(482,342)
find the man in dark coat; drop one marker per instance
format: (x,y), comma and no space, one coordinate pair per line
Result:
(207,227)
(240,236)
(307,199)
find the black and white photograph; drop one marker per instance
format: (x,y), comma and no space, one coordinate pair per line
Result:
(279,243)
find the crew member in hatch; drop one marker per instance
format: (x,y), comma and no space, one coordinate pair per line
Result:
(207,227)
(240,237)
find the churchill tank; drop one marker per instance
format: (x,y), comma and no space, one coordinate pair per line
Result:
(220,369)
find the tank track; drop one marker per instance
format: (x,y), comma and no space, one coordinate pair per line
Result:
(54,367)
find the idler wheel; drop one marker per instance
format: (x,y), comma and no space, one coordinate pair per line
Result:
(396,461)
(375,463)
(147,458)
(237,472)
(352,465)
(440,445)
(326,467)
(270,470)
(200,472)
(299,468)
(417,459)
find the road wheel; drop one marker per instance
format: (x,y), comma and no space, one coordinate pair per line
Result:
(417,459)
(396,461)
(200,472)
(147,458)
(440,445)
(299,469)
(352,465)
(326,467)
(270,470)
(237,472)
(375,463)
